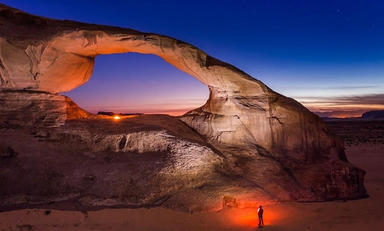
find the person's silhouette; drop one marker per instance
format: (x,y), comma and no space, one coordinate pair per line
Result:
(260,212)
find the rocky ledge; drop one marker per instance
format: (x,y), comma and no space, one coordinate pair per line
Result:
(246,144)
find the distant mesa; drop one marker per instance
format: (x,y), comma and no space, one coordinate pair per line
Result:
(369,115)
(109,113)
(378,114)
(247,142)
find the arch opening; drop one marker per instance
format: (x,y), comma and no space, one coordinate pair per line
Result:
(139,83)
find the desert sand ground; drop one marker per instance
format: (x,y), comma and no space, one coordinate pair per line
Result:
(363,214)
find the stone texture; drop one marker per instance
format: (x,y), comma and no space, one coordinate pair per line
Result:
(269,146)
(33,108)
(95,163)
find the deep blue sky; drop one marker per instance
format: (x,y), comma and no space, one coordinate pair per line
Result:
(329,55)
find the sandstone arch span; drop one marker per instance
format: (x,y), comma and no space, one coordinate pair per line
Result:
(57,56)
(267,139)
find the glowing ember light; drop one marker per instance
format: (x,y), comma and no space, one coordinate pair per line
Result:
(116,117)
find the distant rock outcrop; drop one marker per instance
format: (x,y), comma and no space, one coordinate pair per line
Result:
(255,143)
(379,114)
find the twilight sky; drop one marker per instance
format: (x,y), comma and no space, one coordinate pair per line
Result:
(328,55)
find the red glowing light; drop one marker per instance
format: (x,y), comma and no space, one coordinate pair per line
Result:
(248,216)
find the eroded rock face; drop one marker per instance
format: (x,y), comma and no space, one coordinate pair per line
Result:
(142,163)
(269,143)
(33,108)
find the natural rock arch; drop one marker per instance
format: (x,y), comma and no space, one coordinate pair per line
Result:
(57,56)
(289,150)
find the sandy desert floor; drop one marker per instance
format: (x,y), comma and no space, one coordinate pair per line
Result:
(364,214)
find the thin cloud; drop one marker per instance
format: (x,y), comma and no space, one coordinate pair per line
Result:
(338,88)
(343,106)
(358,100)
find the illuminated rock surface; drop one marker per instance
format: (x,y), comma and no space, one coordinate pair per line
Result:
(246,142)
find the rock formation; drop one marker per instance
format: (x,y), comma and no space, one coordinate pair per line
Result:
(375,115)
(253,143)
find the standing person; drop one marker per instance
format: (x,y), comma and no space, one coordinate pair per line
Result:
(260,212)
